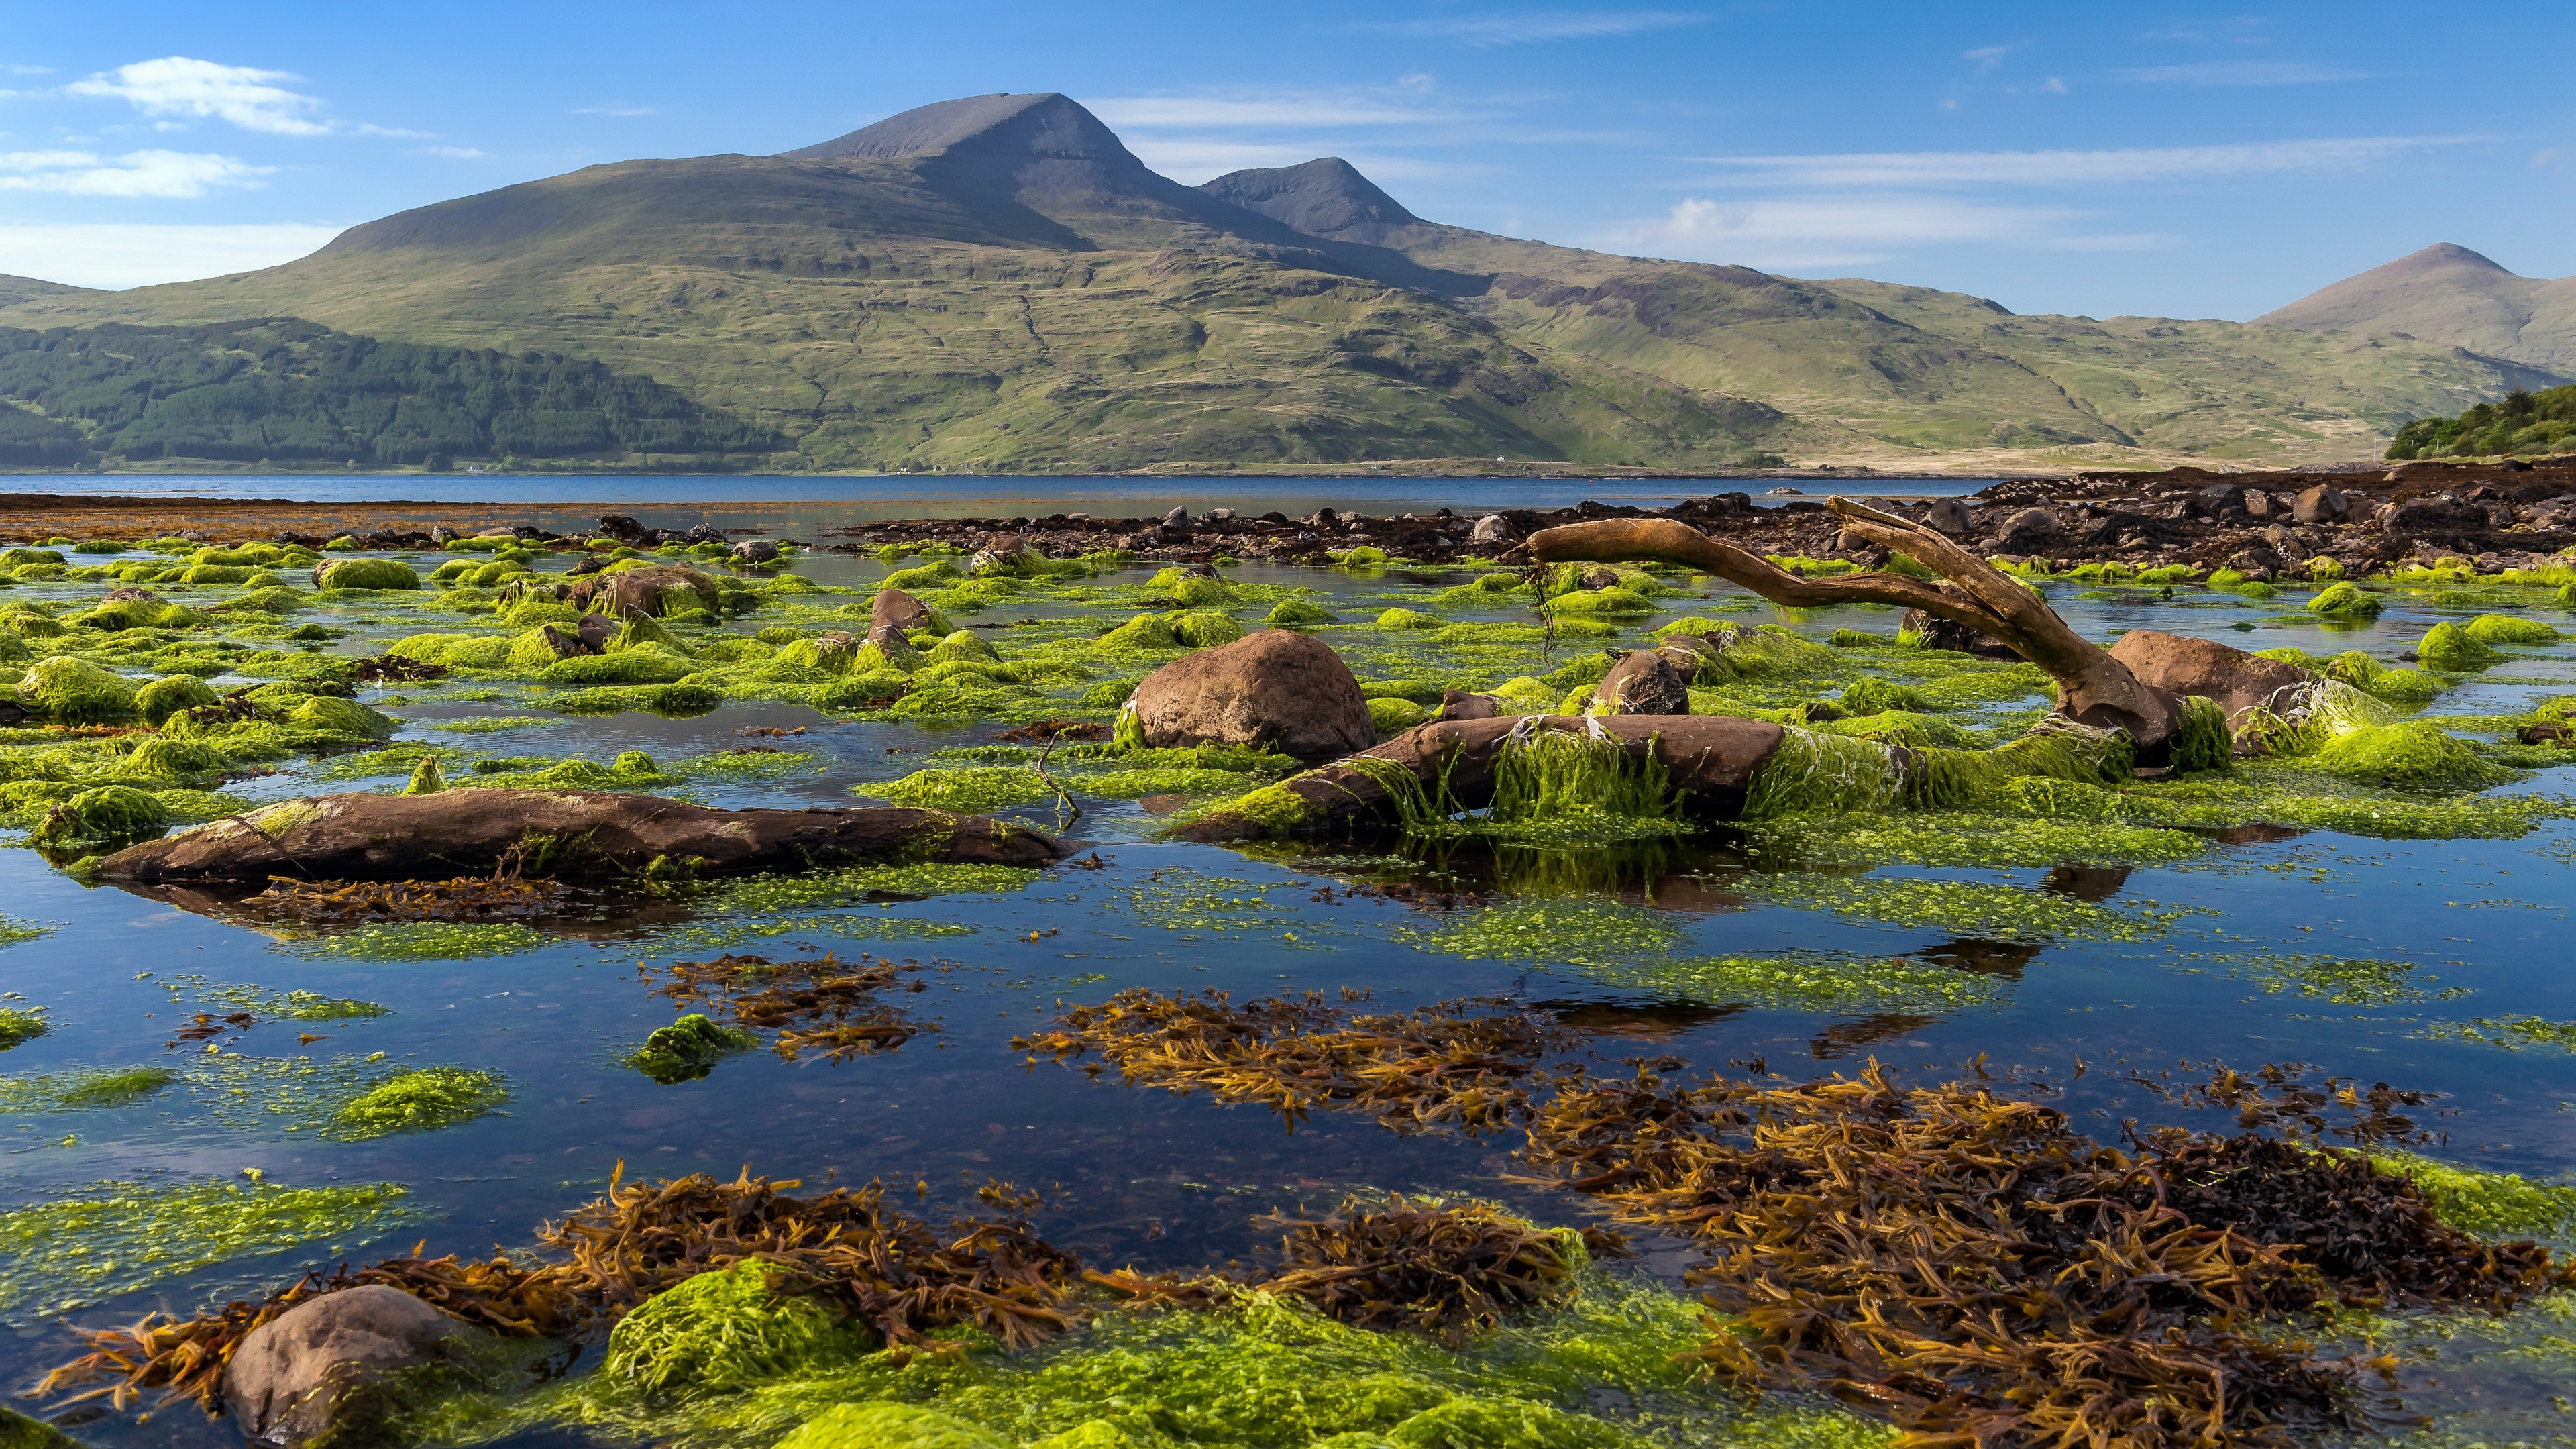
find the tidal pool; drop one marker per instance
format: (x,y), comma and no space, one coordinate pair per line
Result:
(207,1098)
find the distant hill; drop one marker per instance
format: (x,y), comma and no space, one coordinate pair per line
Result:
(287,391)
(14,290)
(2452,297)
(998,283)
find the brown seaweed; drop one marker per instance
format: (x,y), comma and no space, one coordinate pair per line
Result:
(822,1004)
(466,898)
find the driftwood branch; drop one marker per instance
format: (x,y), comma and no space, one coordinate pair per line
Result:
(2092,687)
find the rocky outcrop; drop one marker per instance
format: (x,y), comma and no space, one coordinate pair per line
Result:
(309,1369)
(1276,690)
(2028,530)
(895,616)
(2182,665)
(564,834)
(650,591)
(1642,682)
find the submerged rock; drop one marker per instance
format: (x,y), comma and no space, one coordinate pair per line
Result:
(565,834)
(305,1372)
(1276,689)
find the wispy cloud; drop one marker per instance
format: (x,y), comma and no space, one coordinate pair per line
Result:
(139,256)
(2239,73)
(176,85)
(1529,27)
(2059,168)
(1268,112)
(453,153)
(1832,231)
(136,173)
(1986,57)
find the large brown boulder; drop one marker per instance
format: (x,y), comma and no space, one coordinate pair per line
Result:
(565,834)
(895,615)
(2027,530)
(1642,682)
(649,591)
(299,1374)
(2179,664)
(1276,689)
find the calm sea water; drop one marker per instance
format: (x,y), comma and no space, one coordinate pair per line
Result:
(1160,1181)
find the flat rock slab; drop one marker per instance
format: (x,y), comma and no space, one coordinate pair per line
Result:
(563,834)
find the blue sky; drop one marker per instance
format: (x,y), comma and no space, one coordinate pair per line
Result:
(2194,162)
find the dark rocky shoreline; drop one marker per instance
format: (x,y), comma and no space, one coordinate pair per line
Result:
(2500,515)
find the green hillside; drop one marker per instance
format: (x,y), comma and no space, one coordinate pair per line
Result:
(998,284)
(287,391)
(2524,422)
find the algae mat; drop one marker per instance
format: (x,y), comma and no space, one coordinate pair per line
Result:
(207,1096)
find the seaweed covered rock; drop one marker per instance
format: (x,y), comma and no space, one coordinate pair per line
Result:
(1272,690)
(566,834)
(687,1049)
(75,691)
(2181,665)
(304,1373)
(365,573)
(1642,682)
(895,616)
(164,697)
(883,1425)
(649,591)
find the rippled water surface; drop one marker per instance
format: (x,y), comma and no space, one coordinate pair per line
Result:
(2082,971)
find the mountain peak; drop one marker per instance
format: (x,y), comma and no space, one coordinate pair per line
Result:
(1325,197)
(944,126)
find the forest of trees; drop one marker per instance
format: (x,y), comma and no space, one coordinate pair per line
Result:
(285,390)
(2526,422)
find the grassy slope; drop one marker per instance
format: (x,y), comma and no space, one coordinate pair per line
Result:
(855,306)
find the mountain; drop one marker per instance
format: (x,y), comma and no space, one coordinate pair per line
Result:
(998,283)
(14,290)
(2452,297)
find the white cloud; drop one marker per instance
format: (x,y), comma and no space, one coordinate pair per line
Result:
(2239,73)
(1172,112)
(2060,168)
(1531,26)
(1812,232)
(1986,57)
(176,85)
(453,153)
(136,173)
(140,256)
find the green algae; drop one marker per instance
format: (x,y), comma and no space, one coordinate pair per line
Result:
(76,691)
(161,698)
(294,1004)
(2507,629)
(2513,1033)
(110,1238)
(1390,716)
(2345,982)
(420,1100)
(724,1331)
(688,1049)
(2447,646)
(487,724)
(368,573)
(82,1089)
(1812,981)
(2491,1205)
(2412,753)
(420,941)
(1591,934)
(20,1025)
(1950,840)
(1968,908)
(1297,614)
(106,813)
(2344,600)
(962,791)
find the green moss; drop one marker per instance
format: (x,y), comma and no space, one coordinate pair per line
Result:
(2448,646)
(2415,753)
(1297,614)
(422,941)
(1878,696)
(1590,934)
(1362,557)
(110,1238)
(2344,601)
(2201,739)
(2512,1032)
(1952,840)
(1204,628)
(460,651)
(1395,716)
(642,665)
(75,691)
(1145,632)
(329,714)
(369,573)
(427,778)
(688,1049)
(1191,590)
(108,812)
(1612,602)
(82,1089)
(1408,619)
(420,1101)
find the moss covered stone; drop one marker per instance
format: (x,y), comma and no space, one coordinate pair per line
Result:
(368,573)
(2448,646)
(161,698)
(2343,601)
(76,691)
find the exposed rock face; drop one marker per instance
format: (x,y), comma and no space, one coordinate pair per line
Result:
(2031,528)
(1277,688)
(590,636)
(651,591)
(755,552)
(2322,504)
(2237,680)
(894,617)
(566,834)
(1643,682)
(1940,633)
(293,1376)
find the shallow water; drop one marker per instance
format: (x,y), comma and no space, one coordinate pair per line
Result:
(2085,975)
